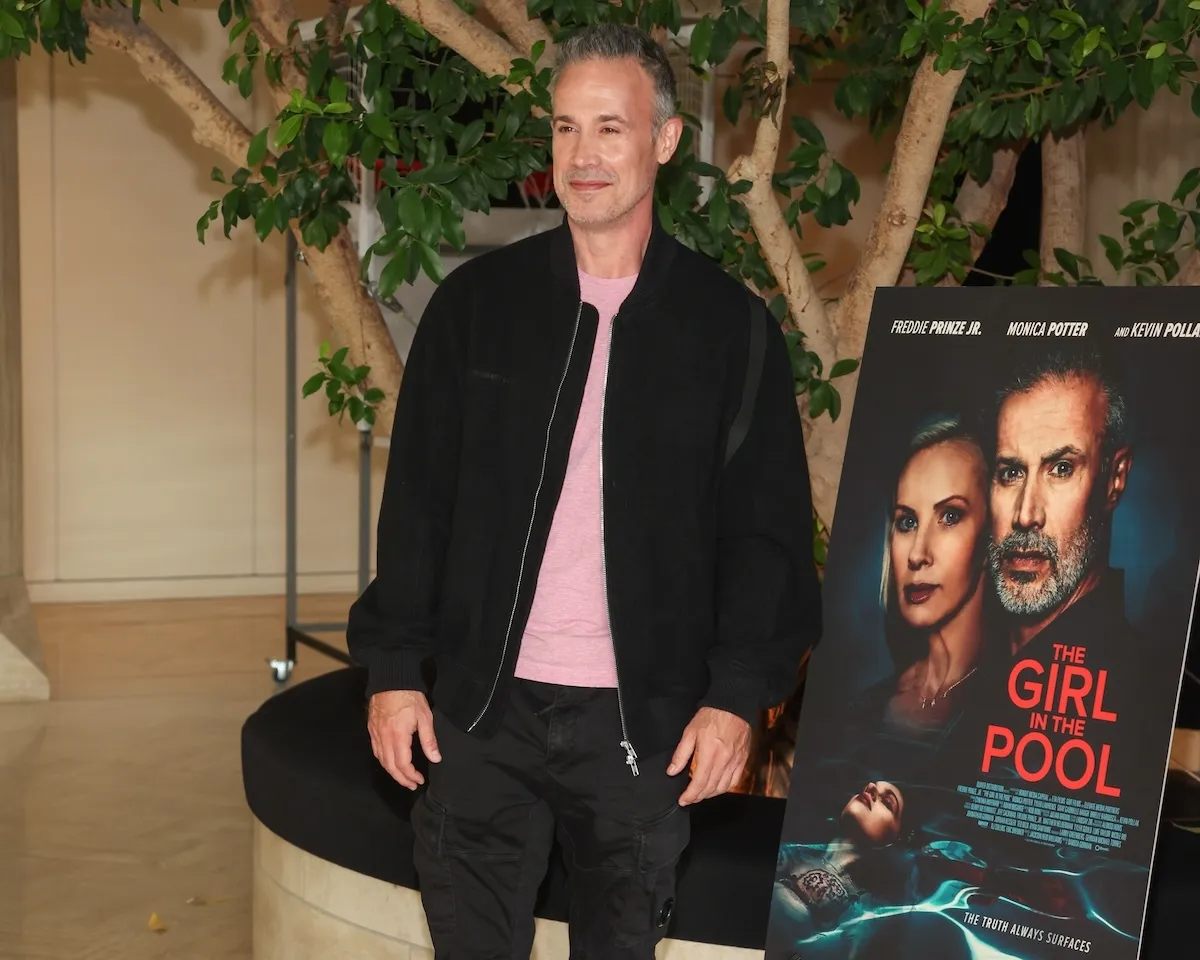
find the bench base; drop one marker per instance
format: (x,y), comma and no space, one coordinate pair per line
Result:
(306,908)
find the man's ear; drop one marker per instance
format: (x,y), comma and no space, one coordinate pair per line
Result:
(668,139)
(1118,476)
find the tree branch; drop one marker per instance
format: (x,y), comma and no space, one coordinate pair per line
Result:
(522,30)
(272,19)
(335,19)
(984,202)
(779,244)
(213,125)
(1062,198)
(354,317)
(469,38)
(915,155)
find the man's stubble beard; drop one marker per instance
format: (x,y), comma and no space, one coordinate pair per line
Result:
(578,213)
(1068,567)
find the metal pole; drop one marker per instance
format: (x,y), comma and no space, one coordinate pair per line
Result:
(291,444)
(364,508)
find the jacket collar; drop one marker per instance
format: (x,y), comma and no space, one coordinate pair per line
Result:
(660,253)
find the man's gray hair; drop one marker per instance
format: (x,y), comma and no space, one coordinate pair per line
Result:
(1083,361)
(614,41)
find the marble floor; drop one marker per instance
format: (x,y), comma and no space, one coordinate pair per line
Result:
(121,798)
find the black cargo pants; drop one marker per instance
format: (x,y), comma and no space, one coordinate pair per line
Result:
(486,821)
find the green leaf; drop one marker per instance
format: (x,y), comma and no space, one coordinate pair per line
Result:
(336,140)
(807,130)
(471,135)
(393,274)
(287,130)
(833,180)
(374,395)
(246,81)
(337,89)
(50,15)
(1114,251)
(1068,261)
(701,43)
(819,397)
(11,26)
(258,148)
(915,7)
(1156,51)
(1035,49)
(434,268)
(453,230)
(411,210)
(225,12)
(312,384)
(439,173)
(337,109)
(217,175)
(264,219)
(1196,100)
(843,367)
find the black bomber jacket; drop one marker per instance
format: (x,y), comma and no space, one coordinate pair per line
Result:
(706,513)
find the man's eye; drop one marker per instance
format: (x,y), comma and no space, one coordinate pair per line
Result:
(1063,468)
(1008,474)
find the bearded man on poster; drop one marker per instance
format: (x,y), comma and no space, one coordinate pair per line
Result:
(596,523)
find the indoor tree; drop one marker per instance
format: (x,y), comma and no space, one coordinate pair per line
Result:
(454,109)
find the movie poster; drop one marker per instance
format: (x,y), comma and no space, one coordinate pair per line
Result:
(984,738)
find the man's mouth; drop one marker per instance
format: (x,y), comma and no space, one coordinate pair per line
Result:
(589,185)
(917,593)
(1026,561)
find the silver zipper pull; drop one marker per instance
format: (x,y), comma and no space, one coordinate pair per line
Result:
(630,756)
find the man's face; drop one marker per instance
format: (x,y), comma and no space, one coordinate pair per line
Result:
(1047,493)
(606,155)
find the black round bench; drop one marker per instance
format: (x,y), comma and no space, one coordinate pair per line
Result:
(310,778)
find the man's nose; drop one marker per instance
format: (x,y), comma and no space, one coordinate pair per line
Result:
(1030,508)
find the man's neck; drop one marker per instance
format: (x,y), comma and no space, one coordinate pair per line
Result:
(613,250)
(1025,632)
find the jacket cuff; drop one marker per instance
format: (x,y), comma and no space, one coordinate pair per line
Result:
(394,670)
(735,693)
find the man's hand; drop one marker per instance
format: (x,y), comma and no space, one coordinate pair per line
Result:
(392,719)
(721,743)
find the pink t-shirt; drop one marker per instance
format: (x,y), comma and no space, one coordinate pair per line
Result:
(567,640)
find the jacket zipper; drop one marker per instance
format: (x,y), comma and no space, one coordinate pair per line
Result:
(630,753)
(532,515)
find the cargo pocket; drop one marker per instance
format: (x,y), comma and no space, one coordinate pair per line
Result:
(662,839)
(433,866)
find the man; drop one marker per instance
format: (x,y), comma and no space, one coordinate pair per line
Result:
(596,522)
(1062,462)
(1066,650)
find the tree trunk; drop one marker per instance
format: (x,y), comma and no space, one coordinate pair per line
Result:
(914,157)
(984,202)
(1189,275)
(353,316)
(1062,198)
(780,247)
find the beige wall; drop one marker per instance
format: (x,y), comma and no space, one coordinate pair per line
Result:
(154,379)
(153,366)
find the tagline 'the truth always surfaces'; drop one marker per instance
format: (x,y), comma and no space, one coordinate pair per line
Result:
(1027,932)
